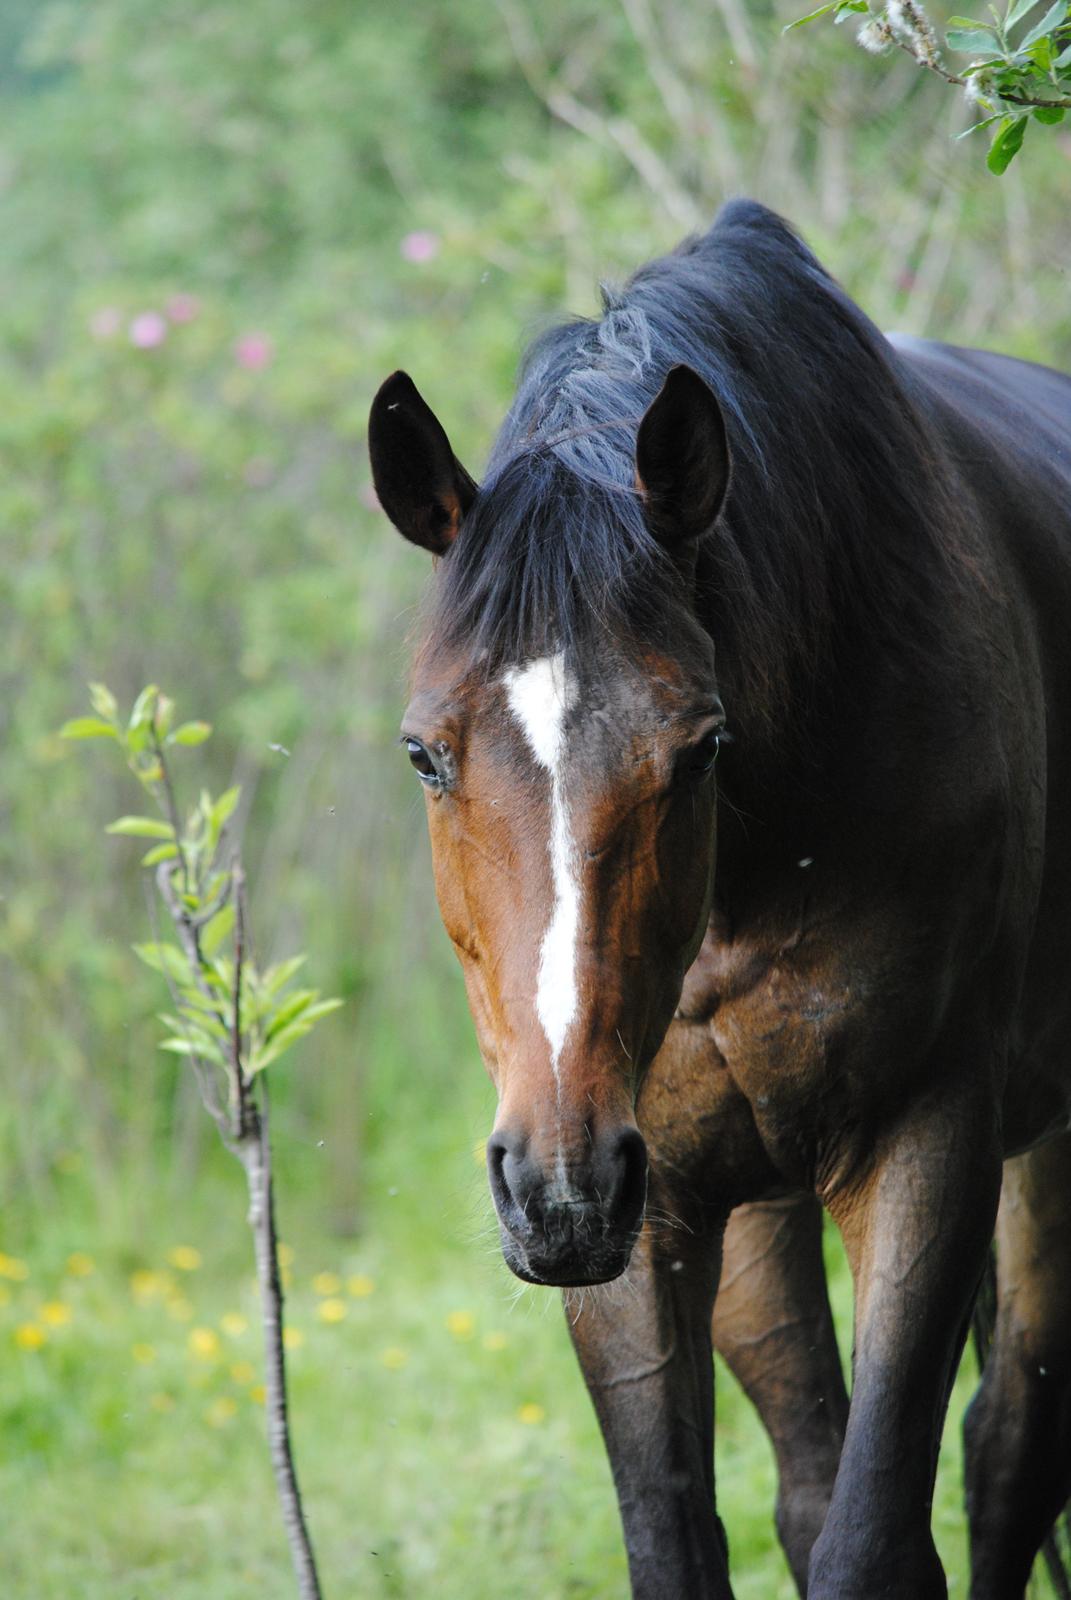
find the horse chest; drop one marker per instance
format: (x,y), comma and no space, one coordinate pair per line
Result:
(806,1031)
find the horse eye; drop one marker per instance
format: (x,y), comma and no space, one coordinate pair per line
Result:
(702,756)
(423,765)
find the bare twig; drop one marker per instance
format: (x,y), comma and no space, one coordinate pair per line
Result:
(255,1151)
(239,1083)
(245,1133)
(614,132)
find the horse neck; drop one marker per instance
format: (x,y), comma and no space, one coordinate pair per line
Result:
(807,683)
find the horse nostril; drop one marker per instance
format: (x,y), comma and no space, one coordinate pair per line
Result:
(505,1172)
(629,1189)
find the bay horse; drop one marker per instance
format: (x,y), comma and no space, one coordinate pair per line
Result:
(742,707)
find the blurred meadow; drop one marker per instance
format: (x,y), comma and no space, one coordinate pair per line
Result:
(223,225)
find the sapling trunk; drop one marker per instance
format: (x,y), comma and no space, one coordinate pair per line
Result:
(244,1128)
(231,1021)
(255,1155)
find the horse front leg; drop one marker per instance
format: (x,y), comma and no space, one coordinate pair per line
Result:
(774,1329)
(916,1226)
(644,1347)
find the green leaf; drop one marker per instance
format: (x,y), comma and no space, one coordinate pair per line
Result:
(160,852)
(1018,11)
(811,16)
(142,828)
(225,805)
(141,715)
(190,733)
(1052,19)
(279,975)
(197,1021)
(281,1042)
(103,701)
(216,929)
(1006,145)
(165,958)
(180,1047)
(323,1008)
(291,1008)
(203,1047)
(165,710)
(986,122)
(1049,114)
(220,974)
(971,41)
(87,728)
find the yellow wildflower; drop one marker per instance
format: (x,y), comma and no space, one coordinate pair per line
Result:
(28,1336)
(531,1414)
(79,1265)
(185,1257)
(393,1358)
(233,1324)
(12,1267)
(360,1286)
(243,1372)
(55,1313)
(327,1283)
(293,1338)
(257,1394)
(203,1343)
(332,1310)
(221,1411)
(144,1354)
(494,1341)
(462,1324)
(161,1401)
(148,1285)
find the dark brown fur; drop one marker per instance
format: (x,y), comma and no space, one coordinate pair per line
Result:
(860,997)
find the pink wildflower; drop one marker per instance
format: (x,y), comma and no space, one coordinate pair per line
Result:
(420,246)
(254,351)
(148,330)
(182,307)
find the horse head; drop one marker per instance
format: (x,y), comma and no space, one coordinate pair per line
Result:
(566,744)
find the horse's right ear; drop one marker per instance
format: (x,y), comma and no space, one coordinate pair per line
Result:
(421,484)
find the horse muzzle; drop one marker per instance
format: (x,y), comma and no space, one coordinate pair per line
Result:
(574,1225)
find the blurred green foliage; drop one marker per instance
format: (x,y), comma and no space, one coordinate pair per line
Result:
(223,226)
(221,231)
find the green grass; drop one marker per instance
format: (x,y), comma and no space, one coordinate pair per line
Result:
(444,1439)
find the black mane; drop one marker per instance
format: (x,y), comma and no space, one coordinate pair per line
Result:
(829,457)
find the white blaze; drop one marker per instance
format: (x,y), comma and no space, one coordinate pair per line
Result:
(541,694)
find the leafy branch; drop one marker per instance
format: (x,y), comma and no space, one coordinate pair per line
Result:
(1018,71)
(231,1020)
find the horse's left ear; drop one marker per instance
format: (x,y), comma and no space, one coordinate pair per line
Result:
(421,484)
(682,458)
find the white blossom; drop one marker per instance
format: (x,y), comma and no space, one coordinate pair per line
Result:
(875,35)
